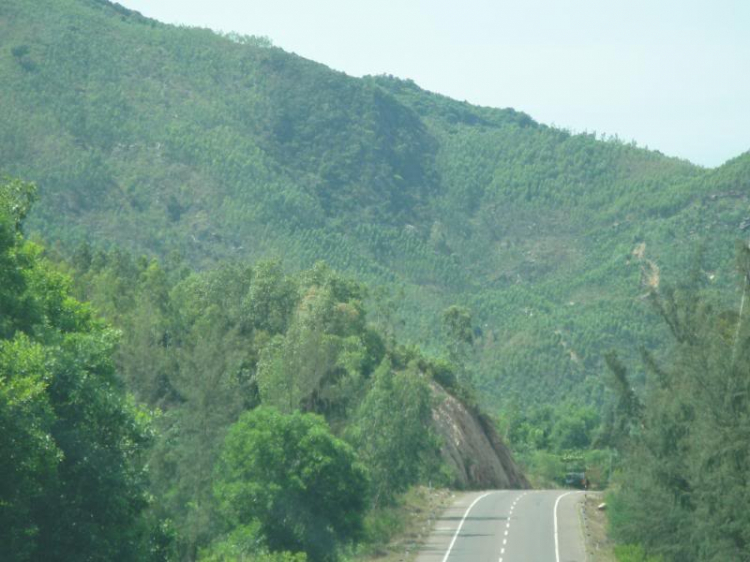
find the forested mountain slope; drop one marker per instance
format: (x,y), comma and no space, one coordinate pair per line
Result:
(159,139)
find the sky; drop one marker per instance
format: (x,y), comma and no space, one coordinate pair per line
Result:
(671,75)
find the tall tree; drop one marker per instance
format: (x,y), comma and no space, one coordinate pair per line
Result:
(392,430)
(76,485)
(687,467)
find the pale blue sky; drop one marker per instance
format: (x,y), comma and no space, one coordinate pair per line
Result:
(673,75)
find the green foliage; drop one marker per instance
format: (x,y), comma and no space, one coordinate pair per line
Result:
(19,310)
(568,427)
(457,322)
(207,347)
(624,414)
(391,430)
(232,556)
(634,553)
(542,234)
(319,362)
(550,442)
(459,333)
(303,486)
(72,443)
(171,142)
(16,199)
(686,467)
(28,456)
(245,544)
(384,523)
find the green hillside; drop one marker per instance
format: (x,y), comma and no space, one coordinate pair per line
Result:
(160,139)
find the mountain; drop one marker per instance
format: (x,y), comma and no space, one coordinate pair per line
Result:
(162,139)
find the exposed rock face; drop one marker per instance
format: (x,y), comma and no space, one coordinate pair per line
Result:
(472,447)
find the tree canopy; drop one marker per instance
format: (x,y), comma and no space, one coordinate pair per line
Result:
(71,441)
(286,473)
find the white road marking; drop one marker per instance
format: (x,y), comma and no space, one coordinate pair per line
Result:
(557,543)
(460,525)
(507,527)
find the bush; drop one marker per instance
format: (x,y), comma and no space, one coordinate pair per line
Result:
(634,553)
(287,474)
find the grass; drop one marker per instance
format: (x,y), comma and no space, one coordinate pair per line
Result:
(395,533)
(599,547)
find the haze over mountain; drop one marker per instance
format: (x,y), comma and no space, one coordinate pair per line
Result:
(160,139)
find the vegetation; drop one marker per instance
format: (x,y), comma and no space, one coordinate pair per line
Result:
(289,477)
(272,434)
(632,553)
(72,445)
(389,435)
(684,478)
(157,140)
(190,184)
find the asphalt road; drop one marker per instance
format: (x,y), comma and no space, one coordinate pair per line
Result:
(509,526)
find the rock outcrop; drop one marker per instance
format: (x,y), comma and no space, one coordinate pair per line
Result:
(472,448)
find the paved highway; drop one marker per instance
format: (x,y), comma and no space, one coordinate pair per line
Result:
(509,526)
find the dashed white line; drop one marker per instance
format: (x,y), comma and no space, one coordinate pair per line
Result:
(507,527)
(460,525)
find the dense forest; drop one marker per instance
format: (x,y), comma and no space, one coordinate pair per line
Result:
(217,246)
(132,443)
(162,140)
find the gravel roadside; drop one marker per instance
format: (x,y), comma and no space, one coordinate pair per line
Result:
(599,548)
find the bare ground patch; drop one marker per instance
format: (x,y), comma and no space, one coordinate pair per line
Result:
(599,547)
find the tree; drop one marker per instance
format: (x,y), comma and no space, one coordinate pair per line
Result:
(687,467)
(317,365)
(18,310)
(458,329)
(288,474)
(624,416)
(74,486)
(213,379)
(392,430)
(28,456)
(457,325)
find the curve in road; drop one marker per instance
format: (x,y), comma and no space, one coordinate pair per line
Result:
(509,526)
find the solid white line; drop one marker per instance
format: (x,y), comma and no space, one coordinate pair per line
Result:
(468,509)
(557,543)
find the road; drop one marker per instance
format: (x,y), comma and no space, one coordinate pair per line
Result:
(508,526)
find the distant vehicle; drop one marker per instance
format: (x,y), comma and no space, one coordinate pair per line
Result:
(577,480)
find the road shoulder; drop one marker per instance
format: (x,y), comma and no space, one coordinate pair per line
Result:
(599,547)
